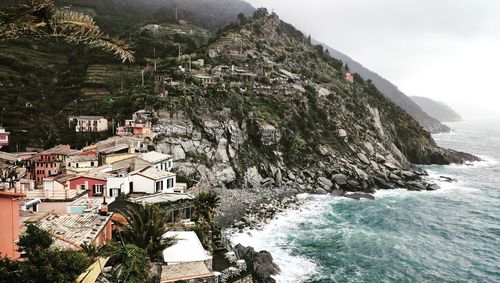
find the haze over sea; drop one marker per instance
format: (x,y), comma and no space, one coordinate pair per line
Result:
(448,235)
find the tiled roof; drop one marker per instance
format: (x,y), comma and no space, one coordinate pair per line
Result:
(184,271)
(81,158)
(71,230)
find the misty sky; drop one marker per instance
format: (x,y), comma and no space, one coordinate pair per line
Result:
(448,50)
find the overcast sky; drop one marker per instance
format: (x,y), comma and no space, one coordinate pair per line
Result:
(448,50)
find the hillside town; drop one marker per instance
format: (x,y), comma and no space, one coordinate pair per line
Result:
(81,197)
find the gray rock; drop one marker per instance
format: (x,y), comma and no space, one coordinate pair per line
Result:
(380,158)
(337,193)
(323,150)
(393,176)
(363,158)
(340,179)
(291,176)
(342,133)
(325,183)
(408,175)
(433,187)
(362,174)
(358,196)
(381,183)
(391,166)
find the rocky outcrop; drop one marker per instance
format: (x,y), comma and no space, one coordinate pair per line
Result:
(261,264)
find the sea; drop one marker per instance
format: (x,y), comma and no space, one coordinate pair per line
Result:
(448,235)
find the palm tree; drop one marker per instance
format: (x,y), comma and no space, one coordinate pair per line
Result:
(145,229)
(205,205)
(133,264)
(91,250)
(40,19)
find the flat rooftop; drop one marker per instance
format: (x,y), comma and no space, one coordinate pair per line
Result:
(162,198)
(187,248)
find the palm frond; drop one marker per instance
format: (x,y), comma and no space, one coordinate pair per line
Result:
(39,18)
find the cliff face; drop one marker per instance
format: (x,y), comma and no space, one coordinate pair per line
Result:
(436,109)
(300,126)
(429,122)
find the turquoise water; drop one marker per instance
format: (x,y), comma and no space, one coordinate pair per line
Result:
(449,235)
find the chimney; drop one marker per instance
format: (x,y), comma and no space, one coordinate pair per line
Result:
(104,207)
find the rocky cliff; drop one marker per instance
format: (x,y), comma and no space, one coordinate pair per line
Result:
(427,121)
(314,131)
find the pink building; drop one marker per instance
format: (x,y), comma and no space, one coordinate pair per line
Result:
(4,137)
(94,185)
(349,77)
(9,223)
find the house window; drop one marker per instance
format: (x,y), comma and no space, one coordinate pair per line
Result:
(92,163)
(159,186)
(97,189)
(170,183)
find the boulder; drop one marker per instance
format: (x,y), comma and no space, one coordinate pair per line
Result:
(433,187)
(379,158)
(381,183)
(363,158)
(263,265)
(362,174)
(358,196)
(391,166)
(337,193)
(339,179)
(408,175)
(342,133)
(325,183)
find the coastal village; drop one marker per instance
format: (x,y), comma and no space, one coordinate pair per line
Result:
(222,137)
(79,197)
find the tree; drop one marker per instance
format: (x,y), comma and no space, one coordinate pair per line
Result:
(260,13)
(205,205)
(91,250)
(43,264)
(133,262)
(40,19)
(145,229)
(242,19)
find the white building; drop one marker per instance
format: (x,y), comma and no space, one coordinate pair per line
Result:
(152,180)
(89,124)
(81,163)
(186,260)
(117,185)
(159,160)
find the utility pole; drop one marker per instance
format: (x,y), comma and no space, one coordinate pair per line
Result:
(142,77)
(176,18)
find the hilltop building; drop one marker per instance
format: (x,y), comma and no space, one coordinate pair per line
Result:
(4,137)
(89,124)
